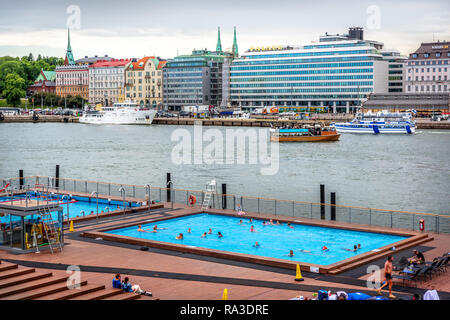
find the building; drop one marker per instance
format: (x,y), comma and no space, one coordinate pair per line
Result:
(335,74)
(143,81)
(107,81)
(397,63)
(196,79)
(428,69)
(45,83)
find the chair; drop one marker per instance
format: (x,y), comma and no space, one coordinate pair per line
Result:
(412,277)
(402,263)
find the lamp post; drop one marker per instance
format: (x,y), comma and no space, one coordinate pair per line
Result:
(147,193)
(96,194)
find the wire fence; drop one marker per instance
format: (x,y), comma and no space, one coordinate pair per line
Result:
(439,223)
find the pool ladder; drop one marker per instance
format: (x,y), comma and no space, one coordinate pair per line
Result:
(51,231)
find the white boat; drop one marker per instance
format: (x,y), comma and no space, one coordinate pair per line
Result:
(119,113)
(380,122)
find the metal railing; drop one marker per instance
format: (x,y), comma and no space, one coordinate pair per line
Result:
(439,223)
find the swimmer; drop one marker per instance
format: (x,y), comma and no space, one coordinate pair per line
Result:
(240,221)
(155,228)
(210,231)
(179,237)
(219,234)
(359,246)
(291,253)
(324,248)
(140,229)
(263,223)
(278,222)
(252,229)
(189,230)
(204,235)
(355,247)
(271,222)
(256,245)
(289,225)
(251,220)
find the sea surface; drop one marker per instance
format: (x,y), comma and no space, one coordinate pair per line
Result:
(396,172)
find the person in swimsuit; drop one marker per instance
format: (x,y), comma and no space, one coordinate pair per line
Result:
(289,225)
(219,234)
(204,235)
(179,237)
(189,230)
(256,245)
(210,231)
(140,229)
(388,276)
(252,229)
(291,253)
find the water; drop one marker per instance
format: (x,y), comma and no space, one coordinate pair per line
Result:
(397,172)
(275,241)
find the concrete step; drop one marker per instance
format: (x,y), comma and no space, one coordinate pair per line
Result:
(25,278)
(16,272)
(73,293)
(99,295)
(50,289)
(125,296)
(47,281)
(8,266)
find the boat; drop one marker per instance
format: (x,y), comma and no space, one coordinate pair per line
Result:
(380,122)
(315,133)
(119,113)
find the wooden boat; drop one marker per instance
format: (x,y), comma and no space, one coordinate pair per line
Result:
(312,134)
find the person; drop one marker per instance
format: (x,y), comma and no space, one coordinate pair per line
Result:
(324,248)
(278,222)
(251,220)
(359,246)
(126,285)
(204,235)
(252,229)
(263,223)
(419,258)
(179,237)
(240,221)
(210,231)
(388,276)
(140,229)
(291,253)
(189,230)
(289,225)
(116,283)
(256,245)
(219,234)
(271,222)
(355,248)
(92,212)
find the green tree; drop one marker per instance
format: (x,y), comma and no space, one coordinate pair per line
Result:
(13,91)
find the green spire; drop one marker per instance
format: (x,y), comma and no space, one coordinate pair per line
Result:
(235,46)
(219,44)
(69,55)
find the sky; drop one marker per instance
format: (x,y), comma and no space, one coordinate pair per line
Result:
(165,28)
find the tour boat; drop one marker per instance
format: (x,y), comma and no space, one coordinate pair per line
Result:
(119,113)
(308,134)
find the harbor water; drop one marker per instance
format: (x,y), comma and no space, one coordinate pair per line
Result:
(397,172)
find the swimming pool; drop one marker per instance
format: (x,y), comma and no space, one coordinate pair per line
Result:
(74,206)
(275,240)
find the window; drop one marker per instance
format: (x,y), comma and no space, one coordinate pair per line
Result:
(438,54)
(426,55)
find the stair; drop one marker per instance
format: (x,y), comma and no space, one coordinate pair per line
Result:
(32,285)
(8,266)
(14,281)
(15,272)
(99,295)
(74,293)
(126,296)
(43,291)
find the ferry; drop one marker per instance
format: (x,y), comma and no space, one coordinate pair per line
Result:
(380,122)
(315,133)
(119,113)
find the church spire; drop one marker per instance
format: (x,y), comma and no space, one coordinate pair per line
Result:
(235,46)
(219,43)
(69,55)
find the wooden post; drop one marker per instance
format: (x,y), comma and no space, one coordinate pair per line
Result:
(322,201)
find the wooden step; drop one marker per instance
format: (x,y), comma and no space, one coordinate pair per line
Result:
(42,291)
(8,266)
(14,281)
(99,295)
(15,289)
(16,272)
(125,296)
(73,293)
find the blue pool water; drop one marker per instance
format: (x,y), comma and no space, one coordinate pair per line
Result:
(275,240)
(77,206)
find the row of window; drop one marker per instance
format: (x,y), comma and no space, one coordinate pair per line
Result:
(434,62)
(433,78)
(236,63)
(299,97)
(303,84)
(320,71)
(363,76)
(427,69)
(428,55)
(302,90)
(306,66)
(306,54)
(432,88)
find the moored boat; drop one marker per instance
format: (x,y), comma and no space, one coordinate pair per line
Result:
(307,134)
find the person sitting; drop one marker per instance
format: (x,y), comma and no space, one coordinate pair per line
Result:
(179,237)
(219,234)
(126,285)
(419,257)
(116,282)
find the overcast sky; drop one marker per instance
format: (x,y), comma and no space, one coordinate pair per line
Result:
(125,29)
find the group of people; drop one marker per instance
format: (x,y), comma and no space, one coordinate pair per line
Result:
(126,286)
(180,235)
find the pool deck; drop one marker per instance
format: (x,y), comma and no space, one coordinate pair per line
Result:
(183,275)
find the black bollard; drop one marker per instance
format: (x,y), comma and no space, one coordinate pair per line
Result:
(224,197)
(168,185)
(57,177)
(333,206)
(21,179)
(322,201)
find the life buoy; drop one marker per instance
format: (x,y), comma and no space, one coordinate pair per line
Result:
(421,224)
(192,199)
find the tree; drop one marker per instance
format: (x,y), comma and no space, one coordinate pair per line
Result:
(14,89)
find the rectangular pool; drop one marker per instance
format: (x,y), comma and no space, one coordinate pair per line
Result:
(275,240)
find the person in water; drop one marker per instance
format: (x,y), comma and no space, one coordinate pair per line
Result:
(240,221)
(251,220)
(256,245)
(289,225)
(219,234)
(210,231)
(252,229)
(179,237)
(204,235)
(278,222)
(291,253)
(140,229)
(155,228)
(324,248)
(355,248)
(189,230)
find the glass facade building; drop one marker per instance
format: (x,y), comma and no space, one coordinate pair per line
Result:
(334,75)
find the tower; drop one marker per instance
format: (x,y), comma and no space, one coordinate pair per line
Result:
(69,56)
(235,46)
(219,44)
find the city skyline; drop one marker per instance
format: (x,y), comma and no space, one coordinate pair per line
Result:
(101,28)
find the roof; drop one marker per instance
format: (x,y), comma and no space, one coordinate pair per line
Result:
(140,64)
(46,75)
(92,60)
(110,63)
(408,100)
(40,84)
(431,49)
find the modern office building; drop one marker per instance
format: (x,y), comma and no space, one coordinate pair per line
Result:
(428,69)
(107,81)
(397,63)
(334,74)
(143,81)
(196,79)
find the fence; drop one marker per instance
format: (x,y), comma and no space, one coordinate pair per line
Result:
(295,209)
